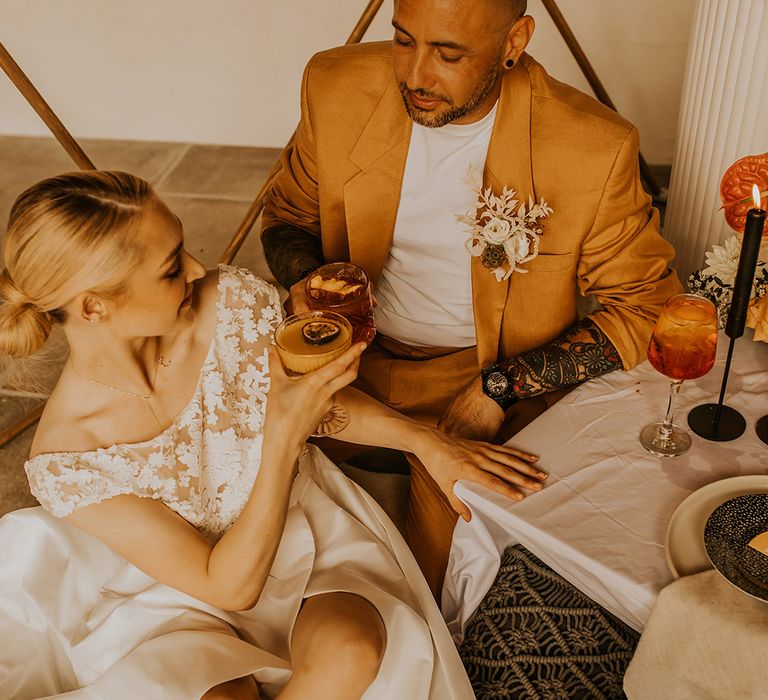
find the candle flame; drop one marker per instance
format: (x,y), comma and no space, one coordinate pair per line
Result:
(756,196)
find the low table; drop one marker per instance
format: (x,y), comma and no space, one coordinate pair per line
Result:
(602,518)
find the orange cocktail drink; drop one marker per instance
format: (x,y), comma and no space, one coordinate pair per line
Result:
(309,341)
(344,288)
(684,341)
(682,346)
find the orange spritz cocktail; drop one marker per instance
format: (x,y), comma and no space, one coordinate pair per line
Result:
(682,346)
(684,341)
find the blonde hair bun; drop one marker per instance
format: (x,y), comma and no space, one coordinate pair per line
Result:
(67,235)
(23,327)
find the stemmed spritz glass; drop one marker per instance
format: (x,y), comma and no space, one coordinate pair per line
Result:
(683,346)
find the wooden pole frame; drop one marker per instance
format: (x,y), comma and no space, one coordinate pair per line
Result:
(36,101)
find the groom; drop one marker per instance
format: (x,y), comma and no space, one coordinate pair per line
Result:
(378,175)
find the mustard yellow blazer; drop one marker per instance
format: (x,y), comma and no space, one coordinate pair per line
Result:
(342,177)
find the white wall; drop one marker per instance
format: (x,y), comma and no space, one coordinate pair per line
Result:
(228,71)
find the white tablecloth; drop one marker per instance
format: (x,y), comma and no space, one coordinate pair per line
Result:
(601,520)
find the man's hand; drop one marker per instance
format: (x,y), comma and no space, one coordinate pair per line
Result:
(472,415)
(296,302)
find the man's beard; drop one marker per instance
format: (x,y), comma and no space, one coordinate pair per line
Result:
(435,121)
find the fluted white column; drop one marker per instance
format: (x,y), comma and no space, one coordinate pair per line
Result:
(723,117)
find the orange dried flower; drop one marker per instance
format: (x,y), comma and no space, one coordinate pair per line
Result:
(736,188)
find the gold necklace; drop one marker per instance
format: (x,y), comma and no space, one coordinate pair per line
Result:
(145,397)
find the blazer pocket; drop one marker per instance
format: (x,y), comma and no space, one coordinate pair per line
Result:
(550,262)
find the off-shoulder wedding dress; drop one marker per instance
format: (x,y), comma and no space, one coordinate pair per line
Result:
(78,621)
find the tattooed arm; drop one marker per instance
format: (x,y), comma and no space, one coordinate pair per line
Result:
(291,253)
(582,352)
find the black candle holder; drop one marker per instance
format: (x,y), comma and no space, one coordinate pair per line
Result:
(714,421)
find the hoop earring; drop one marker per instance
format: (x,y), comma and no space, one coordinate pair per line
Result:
(509,63)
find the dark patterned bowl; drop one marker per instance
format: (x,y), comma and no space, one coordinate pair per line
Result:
(726,537)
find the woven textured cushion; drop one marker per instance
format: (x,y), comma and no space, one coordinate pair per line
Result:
(537,637)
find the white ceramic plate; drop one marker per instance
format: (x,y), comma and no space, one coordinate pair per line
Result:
(685,549)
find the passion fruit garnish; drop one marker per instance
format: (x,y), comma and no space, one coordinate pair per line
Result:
(320,332)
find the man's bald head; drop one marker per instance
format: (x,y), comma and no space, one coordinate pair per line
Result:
(513,9)
(449,55)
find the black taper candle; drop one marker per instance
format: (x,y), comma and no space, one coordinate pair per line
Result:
(745,275)
(715,421)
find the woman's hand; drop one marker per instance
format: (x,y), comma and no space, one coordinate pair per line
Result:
(296,404)
(502,469)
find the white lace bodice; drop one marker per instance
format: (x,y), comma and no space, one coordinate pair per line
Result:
(202,466)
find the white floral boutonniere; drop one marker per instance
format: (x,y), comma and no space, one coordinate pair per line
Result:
(501,233)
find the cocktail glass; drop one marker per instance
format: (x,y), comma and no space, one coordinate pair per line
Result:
(682,346)
(345,289)
(308,341)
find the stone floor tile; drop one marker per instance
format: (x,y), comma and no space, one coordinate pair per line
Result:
(25,160)
(13,408)
(251,255)
(151,160)
(38,373)
(14,489)
(226,171)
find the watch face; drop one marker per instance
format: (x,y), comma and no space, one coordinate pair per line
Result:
(497,383)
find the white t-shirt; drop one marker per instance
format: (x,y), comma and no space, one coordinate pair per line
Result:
(425,291)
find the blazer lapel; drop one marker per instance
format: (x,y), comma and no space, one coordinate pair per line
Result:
(508,163)
(371,198)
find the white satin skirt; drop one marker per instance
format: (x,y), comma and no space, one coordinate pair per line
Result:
(77,621)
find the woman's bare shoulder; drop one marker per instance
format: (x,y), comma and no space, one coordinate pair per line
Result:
(64,427)
(79,418)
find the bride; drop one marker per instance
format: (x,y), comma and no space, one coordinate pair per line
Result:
(190,543)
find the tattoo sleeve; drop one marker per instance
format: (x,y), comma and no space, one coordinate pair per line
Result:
(582,352)
(291,252)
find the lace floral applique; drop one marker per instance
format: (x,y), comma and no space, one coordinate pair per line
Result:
(204,465)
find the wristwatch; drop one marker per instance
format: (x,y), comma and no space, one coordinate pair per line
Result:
(496,386)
